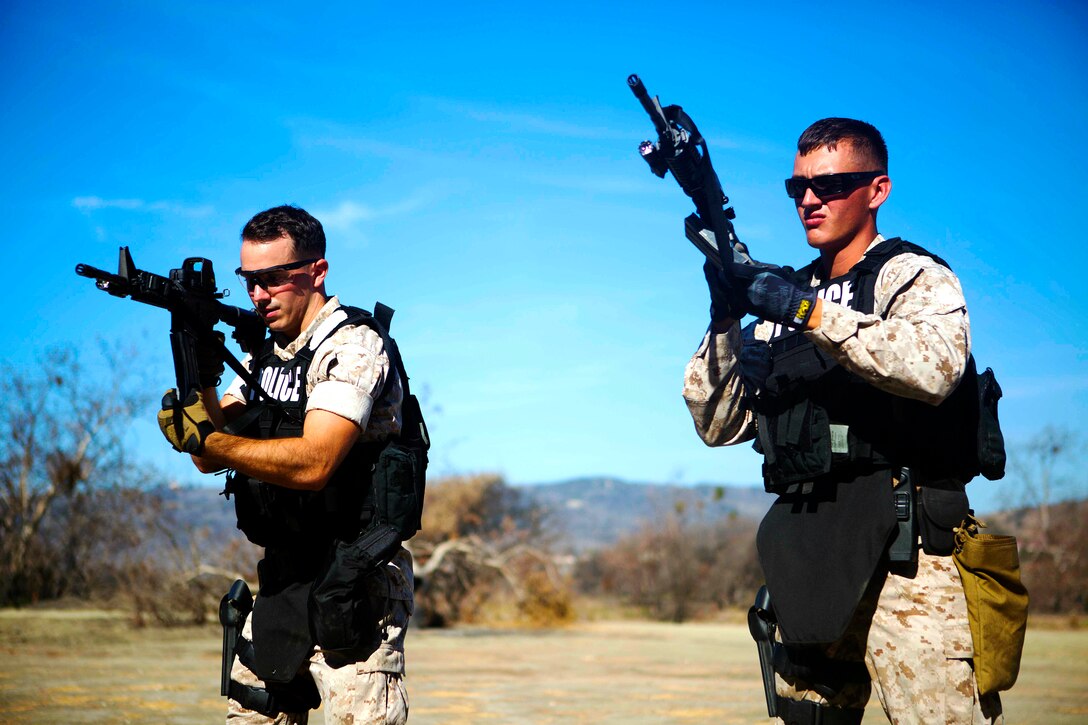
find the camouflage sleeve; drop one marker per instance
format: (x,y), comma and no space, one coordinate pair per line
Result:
(347,377)
(916,344)
(714,392)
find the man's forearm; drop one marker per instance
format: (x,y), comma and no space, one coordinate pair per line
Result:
(305,463)
(286,462)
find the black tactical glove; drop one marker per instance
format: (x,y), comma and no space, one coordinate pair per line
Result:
(185,425)
(726,303)
(772,298)
(755,360)
(209,358)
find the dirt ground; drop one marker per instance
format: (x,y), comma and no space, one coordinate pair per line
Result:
(86,667)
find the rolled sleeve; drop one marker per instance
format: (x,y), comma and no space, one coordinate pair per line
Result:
(348,374)
(343,399)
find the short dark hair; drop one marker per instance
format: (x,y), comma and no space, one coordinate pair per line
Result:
(830,131)
(290,221)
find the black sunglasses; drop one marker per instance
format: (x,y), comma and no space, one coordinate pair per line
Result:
(829,184)
(270,276)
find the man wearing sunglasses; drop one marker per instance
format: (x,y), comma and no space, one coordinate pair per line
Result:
(299,474)
(846,384)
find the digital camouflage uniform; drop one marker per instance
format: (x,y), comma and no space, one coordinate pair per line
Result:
(348,373)
(911,628)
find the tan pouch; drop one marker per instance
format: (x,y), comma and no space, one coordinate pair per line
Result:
(997,603)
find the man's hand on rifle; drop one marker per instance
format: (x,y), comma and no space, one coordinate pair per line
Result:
(727,302)
(772,298)
(209,358)
(185,425)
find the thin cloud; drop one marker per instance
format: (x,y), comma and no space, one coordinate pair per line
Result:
(630,184)
(538,124)
(535,123)
(347,214)
(88,204)
(92,203)
(1021,388)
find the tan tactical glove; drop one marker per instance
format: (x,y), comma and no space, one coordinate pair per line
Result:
(185,425)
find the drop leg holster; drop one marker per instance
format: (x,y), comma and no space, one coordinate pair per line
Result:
(775,657)
(299,695)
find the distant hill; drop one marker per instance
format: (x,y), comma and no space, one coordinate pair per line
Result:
(587,513)
(584,513)
(201,506)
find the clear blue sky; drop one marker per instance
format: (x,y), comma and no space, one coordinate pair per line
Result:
(475,167)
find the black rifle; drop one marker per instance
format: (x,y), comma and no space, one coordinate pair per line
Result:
(681,149)
(190,296)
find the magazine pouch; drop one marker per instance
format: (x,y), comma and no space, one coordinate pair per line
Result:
(345,609)
(943,506)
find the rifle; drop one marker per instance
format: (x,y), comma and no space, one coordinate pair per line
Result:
(681,149)
(190,296)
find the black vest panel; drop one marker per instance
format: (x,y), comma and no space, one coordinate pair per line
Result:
(274,516)
(817,419)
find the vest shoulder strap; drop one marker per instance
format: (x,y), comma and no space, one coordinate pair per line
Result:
(875,259)
(383,314)
(379,322)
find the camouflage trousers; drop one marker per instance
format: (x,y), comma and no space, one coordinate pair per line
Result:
(371,691)
(912,632)
(348,696)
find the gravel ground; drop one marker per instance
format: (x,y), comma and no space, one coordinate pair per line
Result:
(90,667)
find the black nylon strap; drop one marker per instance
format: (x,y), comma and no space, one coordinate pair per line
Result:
(266,703)
(254,698)
(359,316)
(383,314)
(259,699)
(800,712)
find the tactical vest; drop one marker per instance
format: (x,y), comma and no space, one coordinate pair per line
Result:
(833,444)
(323,547)
(817,420)
(284,518)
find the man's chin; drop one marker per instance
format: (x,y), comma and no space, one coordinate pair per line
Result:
(820,241)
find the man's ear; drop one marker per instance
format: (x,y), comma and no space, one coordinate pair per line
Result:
(882,189)
(321,270)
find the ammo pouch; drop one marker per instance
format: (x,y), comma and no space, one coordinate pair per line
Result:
(991,443)
(266,513)
(807,419)
(344,608)
(796,445)
(942,505)
(794,435)
(397,482)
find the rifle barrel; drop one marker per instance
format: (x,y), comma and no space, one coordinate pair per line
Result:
(86,270)
(104,279)
(652,108)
